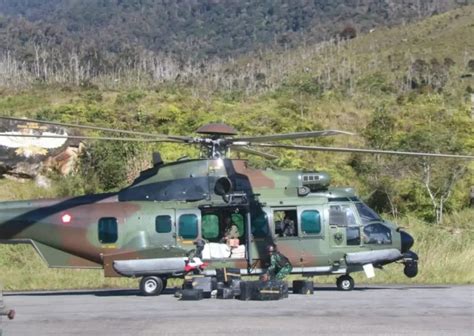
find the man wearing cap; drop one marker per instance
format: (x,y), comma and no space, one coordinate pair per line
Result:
(280,266)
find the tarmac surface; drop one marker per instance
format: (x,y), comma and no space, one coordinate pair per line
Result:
(372,310)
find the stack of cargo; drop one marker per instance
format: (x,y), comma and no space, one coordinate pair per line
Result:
(197,287)
(228,283)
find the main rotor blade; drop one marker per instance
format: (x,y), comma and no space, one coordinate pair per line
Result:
(297,135)
(254,152)
(104,129)
(80,137)
(360,150)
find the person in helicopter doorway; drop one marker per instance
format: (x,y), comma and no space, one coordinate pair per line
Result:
(231,231)
(279,267)
(289,229)
(231,235)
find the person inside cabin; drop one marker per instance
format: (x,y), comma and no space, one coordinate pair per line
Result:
(200,243)
(289,228)
(231,233)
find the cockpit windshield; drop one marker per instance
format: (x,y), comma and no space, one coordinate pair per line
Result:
(367,215)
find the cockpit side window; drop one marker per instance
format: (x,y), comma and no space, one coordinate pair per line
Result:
(366,214)
(377,234)
(342,215)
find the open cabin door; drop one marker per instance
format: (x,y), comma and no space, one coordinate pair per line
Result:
(226,232)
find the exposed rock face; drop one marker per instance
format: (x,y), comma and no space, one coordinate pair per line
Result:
(28,156)
(65,161)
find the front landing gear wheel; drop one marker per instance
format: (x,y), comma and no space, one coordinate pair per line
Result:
(345,283)
(151,285)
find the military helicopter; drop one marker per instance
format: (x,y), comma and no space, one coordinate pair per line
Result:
(149,228)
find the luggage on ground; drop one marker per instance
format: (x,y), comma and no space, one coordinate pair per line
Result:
(303,287)
(191,294)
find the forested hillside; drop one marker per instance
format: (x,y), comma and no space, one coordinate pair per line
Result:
(99,36)
(405,88)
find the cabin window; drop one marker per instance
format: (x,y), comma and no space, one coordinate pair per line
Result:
(310,222)
(260,225)
(188,226)
(108,230)
(163,224)
(377,234)
(210,226)
(285,223)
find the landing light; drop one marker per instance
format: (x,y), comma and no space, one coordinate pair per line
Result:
(66,218)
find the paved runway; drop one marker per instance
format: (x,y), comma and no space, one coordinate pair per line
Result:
(375,310)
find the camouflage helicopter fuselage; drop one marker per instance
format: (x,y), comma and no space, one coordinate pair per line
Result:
(148,227)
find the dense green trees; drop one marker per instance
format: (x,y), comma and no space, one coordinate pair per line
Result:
(426,186)
(108,34)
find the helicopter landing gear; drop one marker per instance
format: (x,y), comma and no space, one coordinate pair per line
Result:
(152,285)
(345,283)
(410,261)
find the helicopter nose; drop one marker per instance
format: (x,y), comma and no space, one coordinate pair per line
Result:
(407,241)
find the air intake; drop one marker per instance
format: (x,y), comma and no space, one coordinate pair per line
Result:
(315,181)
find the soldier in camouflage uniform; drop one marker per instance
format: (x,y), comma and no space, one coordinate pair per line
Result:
(280,266)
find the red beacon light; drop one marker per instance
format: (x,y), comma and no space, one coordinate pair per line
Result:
(66,218)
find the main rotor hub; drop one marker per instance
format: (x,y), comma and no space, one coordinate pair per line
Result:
(216,145)
(213,148)
(217,129)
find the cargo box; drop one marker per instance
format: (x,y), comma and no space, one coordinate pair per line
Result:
(303,287)
(225,293)
(248,290)
(235,286)
(271,290)
(191,294)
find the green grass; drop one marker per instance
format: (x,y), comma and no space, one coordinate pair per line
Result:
(22,190)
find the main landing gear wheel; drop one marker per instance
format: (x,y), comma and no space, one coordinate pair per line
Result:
(345,283)
(151,285)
